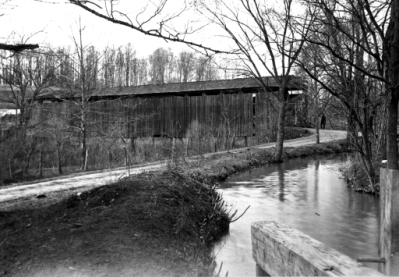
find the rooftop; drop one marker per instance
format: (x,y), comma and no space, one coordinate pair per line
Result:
(190,88)
(199,87)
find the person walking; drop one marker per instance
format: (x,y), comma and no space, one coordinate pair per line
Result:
(323,121)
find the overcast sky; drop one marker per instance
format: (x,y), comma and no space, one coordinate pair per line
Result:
(54,22)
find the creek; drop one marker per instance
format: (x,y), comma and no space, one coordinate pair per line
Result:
(306,194)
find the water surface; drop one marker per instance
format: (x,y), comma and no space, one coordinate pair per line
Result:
(306,194)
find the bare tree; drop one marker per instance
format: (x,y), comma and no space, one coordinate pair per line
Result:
(80,91)
(129,57)
(267,42)
(185,65)
(312,57)
(205,69)
(351,38)
(360,37)
(26,76)
(159,62)
(56,137)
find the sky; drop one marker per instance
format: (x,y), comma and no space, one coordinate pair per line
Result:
(54,22)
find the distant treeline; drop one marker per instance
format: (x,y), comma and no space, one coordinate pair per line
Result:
(111,67)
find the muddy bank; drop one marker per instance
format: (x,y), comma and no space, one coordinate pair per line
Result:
(147,225)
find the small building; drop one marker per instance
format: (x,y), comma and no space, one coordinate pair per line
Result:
(170,110)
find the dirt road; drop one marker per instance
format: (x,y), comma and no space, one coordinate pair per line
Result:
(50,189)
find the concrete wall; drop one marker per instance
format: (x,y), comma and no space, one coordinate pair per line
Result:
(283,251)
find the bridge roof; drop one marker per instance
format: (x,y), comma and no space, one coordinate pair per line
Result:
(189,88)
(9,96)
(208,87)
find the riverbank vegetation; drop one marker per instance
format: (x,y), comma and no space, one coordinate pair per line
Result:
(357,178)
(106,153)
(150,224)
(219,167)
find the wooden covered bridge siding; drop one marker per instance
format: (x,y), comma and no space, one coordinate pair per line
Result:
(237,107)
(170,116)
(173,116)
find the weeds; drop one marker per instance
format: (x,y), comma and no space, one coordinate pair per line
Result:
(356,176)
(167,210)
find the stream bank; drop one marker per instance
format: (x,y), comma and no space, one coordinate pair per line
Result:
(219,167)
(150,224)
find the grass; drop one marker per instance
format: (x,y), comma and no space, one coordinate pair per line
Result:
(142,226)
(152,224)
(219,167)
(357,178)
(145,150)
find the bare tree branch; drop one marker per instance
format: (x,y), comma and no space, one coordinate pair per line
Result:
(162,31)
(18,47)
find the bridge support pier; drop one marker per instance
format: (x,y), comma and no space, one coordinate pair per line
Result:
(389,216)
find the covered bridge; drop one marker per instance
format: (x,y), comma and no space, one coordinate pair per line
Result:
(170,110)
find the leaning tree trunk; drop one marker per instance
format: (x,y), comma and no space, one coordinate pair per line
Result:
(278,157)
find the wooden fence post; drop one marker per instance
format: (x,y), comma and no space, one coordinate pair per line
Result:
(389,216)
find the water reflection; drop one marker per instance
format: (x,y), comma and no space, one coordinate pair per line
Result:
(305,194)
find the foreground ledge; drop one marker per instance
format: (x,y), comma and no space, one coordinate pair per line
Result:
(283,251)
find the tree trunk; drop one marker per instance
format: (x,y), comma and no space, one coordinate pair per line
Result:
(317,125)
(9,168)
(126,159)
(59,161)
(280,124)
(317,121)
(109,158)
(41,164)
(2,165)
(1,174)
(84,143)
(392,128)
(86,159)
(317,128)
(393,73)
(31,150)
